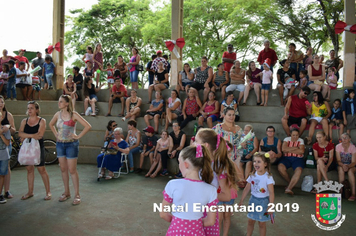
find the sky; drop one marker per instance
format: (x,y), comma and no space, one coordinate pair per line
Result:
(31,26)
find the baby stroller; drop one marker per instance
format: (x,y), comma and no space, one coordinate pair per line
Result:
(123,159)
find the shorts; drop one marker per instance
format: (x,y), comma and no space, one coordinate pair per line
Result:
(293,162)
(177,112)
(36,87)
(295,120)
(4,167)
(244,160)
(254,214)
(231,202)
(233,87)
(91,96)
(117,100)
(266,86)
(341,122)
(213,117)
(318,119)
(200,86)
(22,85)
(154,113)
(186,84)
(69,150)
(166,85)
(134,76)
(110,81)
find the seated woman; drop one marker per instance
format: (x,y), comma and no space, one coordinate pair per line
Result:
(185,78)
(160,155)
(161,81)
(324,155)
(191,107)
(155,111)
(174,108)
(346,160)
(203,78)
(272,145)
(220,80)
(253,82)
(249,147)
(70,88)
(229,101)
(109,133)
(111,160)
(134,140)
(133,104)
(209,111)
(237,75)
(316,72)
(320,112)
(178,138)
(90,96)
(22,81)
(286,81)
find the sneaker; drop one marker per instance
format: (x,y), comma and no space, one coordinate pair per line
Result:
(8,195)
(178,176)
(7,99)
(164,172)
(14,99)
(139,170)
(2,199)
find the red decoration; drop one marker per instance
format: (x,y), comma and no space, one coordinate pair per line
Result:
(341,26)
(179,42)
(51,48)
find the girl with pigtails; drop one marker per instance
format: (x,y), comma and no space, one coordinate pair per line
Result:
(194,190)
(224,176)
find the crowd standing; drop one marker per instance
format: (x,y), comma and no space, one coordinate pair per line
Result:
(221,157)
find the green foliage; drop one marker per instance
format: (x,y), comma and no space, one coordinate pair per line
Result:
(208,27)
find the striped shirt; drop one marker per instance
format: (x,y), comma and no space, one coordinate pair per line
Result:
(298,143)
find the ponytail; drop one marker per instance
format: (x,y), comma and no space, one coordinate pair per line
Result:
(202,163)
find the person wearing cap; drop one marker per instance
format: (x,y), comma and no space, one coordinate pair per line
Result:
(39,61)
(20,58)
(267,52)
(228,58)
(295,58)
(159,58)
(149,142)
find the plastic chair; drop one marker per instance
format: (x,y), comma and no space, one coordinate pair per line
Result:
(123,161)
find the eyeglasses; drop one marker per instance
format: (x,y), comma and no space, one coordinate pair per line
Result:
(175,125)
(114,125)
(306,93)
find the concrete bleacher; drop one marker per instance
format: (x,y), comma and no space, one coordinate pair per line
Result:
(258,117)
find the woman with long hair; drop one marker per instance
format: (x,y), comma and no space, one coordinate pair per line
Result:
(134,61)
(63,126)
(98,62)
(34,127)
(90,95)
(7,122)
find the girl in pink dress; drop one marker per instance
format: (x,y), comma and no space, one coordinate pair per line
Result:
(225,176)
(190,192)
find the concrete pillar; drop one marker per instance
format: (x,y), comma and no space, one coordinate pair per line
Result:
(177,32)
(58,36)
(349,45)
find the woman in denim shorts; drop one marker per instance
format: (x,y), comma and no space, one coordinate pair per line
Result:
(63,126)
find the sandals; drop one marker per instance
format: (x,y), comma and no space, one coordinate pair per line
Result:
(307,140)
(48,197)
(76,200)
(352,198)
(93,114)
(314,190)
(64,198)
(109,177)
(287,191)
(153,175)
(25,197)
(147,175)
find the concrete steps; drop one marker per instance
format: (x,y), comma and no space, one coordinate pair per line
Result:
(258,117)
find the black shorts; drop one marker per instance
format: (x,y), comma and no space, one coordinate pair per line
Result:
(20,85)
(295,120)
(118,100)
(154,113)
(200,86)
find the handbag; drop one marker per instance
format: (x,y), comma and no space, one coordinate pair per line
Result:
(139,67)
(30,152)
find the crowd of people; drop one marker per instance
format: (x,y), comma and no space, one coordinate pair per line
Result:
(220,157)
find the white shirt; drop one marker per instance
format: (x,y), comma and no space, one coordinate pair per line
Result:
(259,184)
(23,78)
(266,78)
(190,192)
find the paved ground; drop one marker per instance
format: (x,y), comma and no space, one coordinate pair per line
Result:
(124,206)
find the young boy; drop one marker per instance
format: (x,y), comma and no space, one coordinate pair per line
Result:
(49,71)
(148,144)
(336,118)
(36,86)
(5,137)
(118,95)
(11,84)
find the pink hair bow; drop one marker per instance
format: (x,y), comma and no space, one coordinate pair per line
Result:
(218,142)
(199,151)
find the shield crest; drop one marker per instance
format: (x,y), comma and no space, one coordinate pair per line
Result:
(328,208)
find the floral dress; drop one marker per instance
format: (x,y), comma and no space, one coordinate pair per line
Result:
(233,138)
